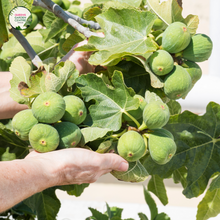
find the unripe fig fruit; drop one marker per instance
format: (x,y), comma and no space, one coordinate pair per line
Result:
(44,138)
(177,83)
(199,49)
(70,134)
(176,37)
(158,24)
(75,111)
(161,62)
(161,147)
(48,107)
(131,146)
(22,123)
(142,101)
(137,113)
(163,131)
(194,71)
(7,156)
(156,114)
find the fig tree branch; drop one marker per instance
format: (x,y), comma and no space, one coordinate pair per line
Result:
(67,17)
(92,24)
(28,48)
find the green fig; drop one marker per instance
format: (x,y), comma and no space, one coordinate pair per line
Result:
(48,107)
(176,37)
(22,122)
(131,146)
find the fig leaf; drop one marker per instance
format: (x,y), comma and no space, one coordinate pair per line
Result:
(209,206)
(93,133)
(110,103)
(135,173)
(156,186)
(21,71)
(128,35)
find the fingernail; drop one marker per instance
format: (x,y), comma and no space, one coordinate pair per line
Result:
(123,166)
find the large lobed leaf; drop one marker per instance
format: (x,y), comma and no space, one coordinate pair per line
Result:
(198,149)
(124,35)
(110,103)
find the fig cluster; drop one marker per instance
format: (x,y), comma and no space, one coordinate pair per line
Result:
(52,122)
(150,137)
(175,61)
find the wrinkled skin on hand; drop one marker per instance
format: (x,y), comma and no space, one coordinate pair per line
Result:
(77,166)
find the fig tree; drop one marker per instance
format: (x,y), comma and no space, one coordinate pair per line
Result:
(70,134)
(131,146)
(176,37)
(161,147)
(156,114)
(177,83)
(48,107)
(22,123)
(199,49)
(75,111)
(44,138)
(161,62)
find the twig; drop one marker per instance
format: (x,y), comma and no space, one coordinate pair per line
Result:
(67,18)
(25,44)
(92,24)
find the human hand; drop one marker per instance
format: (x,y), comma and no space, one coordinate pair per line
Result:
(80,58)
(77,165)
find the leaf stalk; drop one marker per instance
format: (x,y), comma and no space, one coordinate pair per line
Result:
(133,119)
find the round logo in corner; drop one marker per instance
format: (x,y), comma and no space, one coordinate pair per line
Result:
(20,18)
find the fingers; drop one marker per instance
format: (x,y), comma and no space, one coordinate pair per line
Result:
(114,162)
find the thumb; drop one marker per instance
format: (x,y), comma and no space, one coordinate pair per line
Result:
(116,162)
